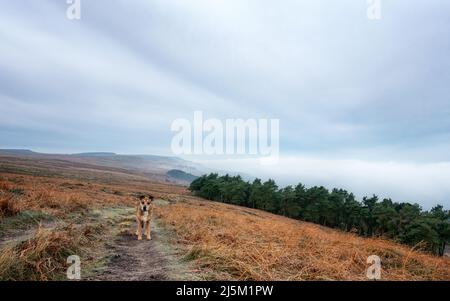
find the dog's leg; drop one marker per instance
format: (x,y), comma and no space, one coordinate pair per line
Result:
(147,230)
(139,230)
(138,223)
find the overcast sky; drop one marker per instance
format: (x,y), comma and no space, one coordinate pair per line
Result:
(363,104)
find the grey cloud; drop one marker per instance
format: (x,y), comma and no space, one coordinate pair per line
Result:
(342,86)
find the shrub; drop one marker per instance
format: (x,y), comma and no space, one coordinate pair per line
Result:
(7,205)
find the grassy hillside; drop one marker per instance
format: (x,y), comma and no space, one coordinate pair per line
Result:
(231,242)
(181,176)
(48,213)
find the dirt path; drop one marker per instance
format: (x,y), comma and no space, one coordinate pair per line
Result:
(128,259)
(117,254)
(131,259)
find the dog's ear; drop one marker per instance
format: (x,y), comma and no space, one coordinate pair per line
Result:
(151,198)
(141,197)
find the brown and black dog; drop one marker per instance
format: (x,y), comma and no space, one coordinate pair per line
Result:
(144,212)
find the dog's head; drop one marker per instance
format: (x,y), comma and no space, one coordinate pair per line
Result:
(145,202)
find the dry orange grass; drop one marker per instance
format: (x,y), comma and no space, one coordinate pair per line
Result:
(233,243)
(227,242)
(43,257)
(7,205)
(40,254)
(56,197)
(59,197)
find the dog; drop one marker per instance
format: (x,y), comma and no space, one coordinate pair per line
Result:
(144,212)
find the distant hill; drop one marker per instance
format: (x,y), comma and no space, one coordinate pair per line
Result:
(94,154)
(147,165)
(180,175)
(17,152)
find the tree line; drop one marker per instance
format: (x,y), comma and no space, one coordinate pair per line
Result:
(402,222)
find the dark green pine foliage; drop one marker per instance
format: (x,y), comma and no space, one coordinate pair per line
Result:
(403,222)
